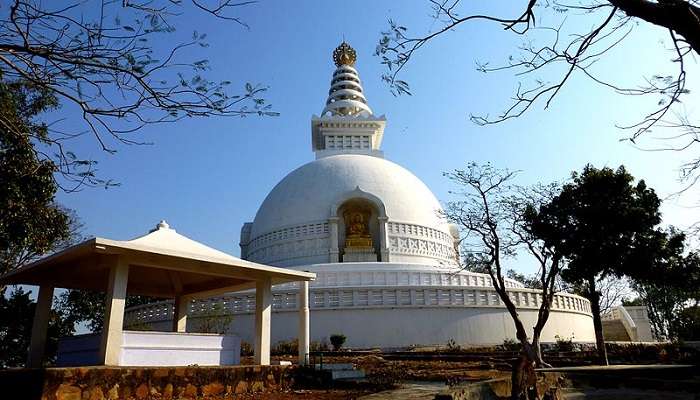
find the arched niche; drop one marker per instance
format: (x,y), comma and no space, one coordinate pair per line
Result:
(358,230)
(350,211)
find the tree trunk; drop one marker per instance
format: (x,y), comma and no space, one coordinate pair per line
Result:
(594,298)
(524,379)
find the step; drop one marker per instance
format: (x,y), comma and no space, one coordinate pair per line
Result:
(335,367)
(347,374)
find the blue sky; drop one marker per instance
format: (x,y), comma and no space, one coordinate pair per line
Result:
(207,177)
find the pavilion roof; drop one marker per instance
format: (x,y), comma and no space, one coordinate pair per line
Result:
(162,263)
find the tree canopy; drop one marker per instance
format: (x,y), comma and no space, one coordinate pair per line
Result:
(31,222)
(604,225)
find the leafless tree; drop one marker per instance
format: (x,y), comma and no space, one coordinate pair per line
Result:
(612,291)
(117,62)
(569,51)
(493,214)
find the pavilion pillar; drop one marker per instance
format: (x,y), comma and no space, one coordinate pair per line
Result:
(180,310)
(263,314)
(40,326)
(115,299)
(333,231)
(303,323)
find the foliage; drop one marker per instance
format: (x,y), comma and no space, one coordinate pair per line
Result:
(511,345)
(337,341)
(637,301)
(31,223)
(562,42)
(530,281)
(88,307)
(564,343)
(387,377)
(246,349)
(667,299)
(214,320)
(319,346)
(16,318)
(121,66)
(453,347)
(688,324)
(644,353)
(285,347)
(604,225)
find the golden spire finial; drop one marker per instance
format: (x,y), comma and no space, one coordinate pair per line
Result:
(344,55)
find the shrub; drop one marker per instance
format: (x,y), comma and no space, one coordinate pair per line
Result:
(319,346)
(564,344)
(452,346)
(246,349)
(285,347)
(510,345)
(337,340)
(387,377)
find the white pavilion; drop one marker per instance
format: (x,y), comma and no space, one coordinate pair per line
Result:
(385,261)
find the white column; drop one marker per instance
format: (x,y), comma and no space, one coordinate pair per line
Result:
(263,313)
(383,239)
(180,309)
(114,313)
(303,322)
(333,230)
(40,326)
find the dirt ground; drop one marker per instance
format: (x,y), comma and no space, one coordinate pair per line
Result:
(388,371)
(311,394)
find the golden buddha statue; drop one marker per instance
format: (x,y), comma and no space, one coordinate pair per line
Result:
(357,231)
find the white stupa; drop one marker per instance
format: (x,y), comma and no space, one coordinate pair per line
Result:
(385,259)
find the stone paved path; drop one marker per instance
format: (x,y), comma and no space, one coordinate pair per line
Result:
(409,391)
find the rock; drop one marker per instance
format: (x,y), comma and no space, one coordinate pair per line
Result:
(241,387)
(142,391)
(96,393)
(168,392)
(68,392)
(160,373)
(113,393)
(190,391)
(258,386)
(213,389)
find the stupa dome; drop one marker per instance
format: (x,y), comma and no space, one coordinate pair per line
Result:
(308,194)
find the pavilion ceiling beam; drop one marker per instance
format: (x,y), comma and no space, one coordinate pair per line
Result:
(222,290)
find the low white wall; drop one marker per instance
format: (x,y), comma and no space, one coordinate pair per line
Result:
(414,326)
(154,349)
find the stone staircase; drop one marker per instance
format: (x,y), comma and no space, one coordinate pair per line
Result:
(342,372)
(614,330)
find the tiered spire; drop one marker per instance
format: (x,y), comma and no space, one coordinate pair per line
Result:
(345,97)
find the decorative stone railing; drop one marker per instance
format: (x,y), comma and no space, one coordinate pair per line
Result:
(361,297)
(399,277)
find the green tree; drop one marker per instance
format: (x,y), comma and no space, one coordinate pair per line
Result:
(688,324)
(338,340)
(88,307)
(671,301)
(16,318)
(604,224)
(31,223)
